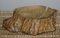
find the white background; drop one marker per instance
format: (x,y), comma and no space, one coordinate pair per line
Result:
(12,4)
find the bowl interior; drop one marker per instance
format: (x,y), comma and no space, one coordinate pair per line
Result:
(35,11)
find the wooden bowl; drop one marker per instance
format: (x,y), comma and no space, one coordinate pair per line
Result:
(32,20)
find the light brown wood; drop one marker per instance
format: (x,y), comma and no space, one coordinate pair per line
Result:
(6,34)
(31,20)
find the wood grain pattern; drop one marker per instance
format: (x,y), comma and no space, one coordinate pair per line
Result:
(30,21)
(6,34)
